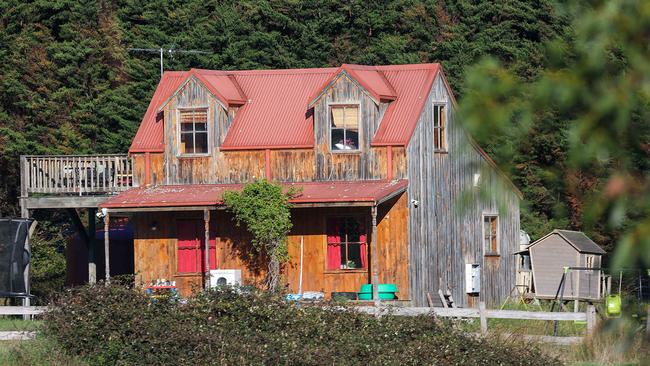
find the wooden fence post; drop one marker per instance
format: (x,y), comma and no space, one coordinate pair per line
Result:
(482,315)
(591,319)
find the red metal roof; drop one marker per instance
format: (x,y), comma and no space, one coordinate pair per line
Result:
(276,110)
(149,137)
(211,194)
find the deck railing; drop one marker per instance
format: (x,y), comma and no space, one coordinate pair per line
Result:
(76,174)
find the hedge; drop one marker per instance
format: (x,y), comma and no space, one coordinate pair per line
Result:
(118,325)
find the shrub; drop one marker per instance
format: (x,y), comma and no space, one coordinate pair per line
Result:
(118,325)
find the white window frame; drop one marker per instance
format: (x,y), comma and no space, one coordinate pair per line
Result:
(443,129)
(178,131)
(498,237)
(590,258)
(329,127)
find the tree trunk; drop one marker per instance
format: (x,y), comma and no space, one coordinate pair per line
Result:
(273,274)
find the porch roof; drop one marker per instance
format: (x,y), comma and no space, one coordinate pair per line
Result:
(310,194)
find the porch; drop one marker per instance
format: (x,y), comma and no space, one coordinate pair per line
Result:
(182,232)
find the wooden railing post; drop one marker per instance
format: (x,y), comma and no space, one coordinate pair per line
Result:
(592,319)
(483,316)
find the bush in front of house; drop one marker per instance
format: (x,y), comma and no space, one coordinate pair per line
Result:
(118,325)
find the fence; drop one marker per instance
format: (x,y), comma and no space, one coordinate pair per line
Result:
(56,174)
(25,311)
(484,314)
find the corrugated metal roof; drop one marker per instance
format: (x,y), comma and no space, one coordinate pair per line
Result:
(211,194)
(150,134)
(412,83)
(276,112)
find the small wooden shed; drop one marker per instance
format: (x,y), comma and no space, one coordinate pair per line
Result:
(564,248)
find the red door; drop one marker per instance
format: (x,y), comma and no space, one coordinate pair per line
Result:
(191,249)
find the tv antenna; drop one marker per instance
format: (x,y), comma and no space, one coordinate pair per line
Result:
(170,52)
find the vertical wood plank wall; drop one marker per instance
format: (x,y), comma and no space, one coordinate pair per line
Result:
(155,250)
(445,230)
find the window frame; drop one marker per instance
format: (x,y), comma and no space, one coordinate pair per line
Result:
(490,253)
(364,221)
(443,128)
(590,258)
(179,131)
(329,127)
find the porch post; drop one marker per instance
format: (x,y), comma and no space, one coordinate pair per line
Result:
(107,265)
(92,265)
(206,222)
(375,261)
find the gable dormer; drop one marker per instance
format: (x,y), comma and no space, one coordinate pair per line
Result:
(198,113)
(348,108)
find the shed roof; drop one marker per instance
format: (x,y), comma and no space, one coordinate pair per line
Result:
(275,113)
(371,192)
(576,239)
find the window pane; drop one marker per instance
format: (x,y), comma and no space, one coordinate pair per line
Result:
(351,140)
(200,126)
(187,143)
(338,142)
(354,256)
(186,126)
(351,118)
(201,140)
(338,119)
(436,115)
(436,138)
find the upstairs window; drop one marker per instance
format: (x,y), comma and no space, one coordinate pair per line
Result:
(490,234)
(194,131)
(344,128)
(439,125)
(346,243)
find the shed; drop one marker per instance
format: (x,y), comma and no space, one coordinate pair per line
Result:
(564,248)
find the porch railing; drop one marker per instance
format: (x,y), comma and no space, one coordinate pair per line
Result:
(75,174)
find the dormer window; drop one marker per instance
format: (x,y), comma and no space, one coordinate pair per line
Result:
(193,131)
(344,127)
(439,125)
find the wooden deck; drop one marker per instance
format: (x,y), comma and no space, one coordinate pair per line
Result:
(72,181)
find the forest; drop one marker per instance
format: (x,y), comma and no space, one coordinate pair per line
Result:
(69,84)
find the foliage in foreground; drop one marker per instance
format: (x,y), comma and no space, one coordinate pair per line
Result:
(119,326)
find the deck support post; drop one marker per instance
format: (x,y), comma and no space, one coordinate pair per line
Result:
(206,223)
(92,263)
(24,213)
(375,260)
(107,261)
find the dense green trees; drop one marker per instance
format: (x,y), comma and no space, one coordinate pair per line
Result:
(68,83)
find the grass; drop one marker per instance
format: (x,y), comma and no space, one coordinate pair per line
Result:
(18,324)
(36,352)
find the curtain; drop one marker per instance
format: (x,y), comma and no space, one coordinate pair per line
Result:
(333,244)
(363,248)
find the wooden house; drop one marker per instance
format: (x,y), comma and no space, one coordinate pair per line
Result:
(573,250)
(389,182)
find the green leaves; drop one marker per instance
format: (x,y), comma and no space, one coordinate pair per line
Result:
(264,209)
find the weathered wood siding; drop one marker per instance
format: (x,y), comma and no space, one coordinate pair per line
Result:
(445,229)
(156,167)
(155,251)
(362,164)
